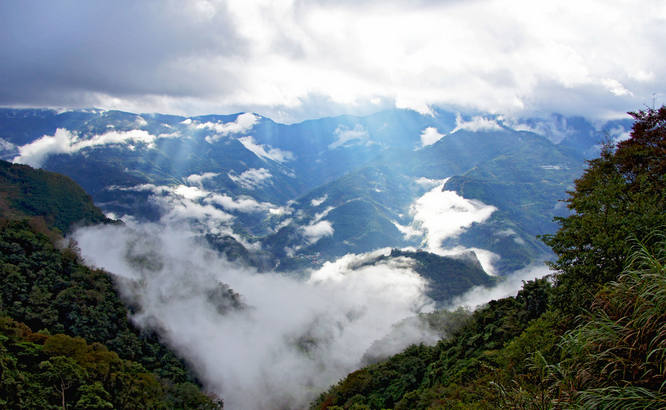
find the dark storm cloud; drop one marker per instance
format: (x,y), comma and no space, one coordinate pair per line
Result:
(56,49)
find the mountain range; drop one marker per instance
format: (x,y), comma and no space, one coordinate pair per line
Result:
(337,235)
(297,195)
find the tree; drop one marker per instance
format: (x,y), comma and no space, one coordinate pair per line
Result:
(63,374)
(93,396)
(620,195)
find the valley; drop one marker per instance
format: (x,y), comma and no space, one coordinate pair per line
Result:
(253,248)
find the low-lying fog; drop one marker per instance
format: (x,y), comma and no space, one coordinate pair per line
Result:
(280,343)
(271,340)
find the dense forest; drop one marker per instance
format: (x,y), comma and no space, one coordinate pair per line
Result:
(65,337)
(593,334)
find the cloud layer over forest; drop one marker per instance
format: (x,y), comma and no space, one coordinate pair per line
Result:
(281,340)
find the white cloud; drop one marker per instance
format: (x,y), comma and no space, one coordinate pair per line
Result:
(506,232)
(295,337)
(6,145)
(280,58)
(182,203)
(319,201)
(315,231)
(408,231)
(190,192)
(615,87)
(486,258)
(251,178)
(477,123)
(67,142)
(512,234)
(245,204)
(619,134)
(508,286)
(321,215)
(430,136)
(243,123)
(443,214)
(430,183)
(183,210)
(157,189)
(344,135)
(198,179)
(266,151)
(555,128)
(35,152)
(139,121)
(178,200)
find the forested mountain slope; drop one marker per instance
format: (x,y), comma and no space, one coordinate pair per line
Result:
(29,192)
(592,335)
(65,336)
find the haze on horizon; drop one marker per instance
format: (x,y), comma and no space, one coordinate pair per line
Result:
(295,60)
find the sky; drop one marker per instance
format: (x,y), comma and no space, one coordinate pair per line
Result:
(294,59)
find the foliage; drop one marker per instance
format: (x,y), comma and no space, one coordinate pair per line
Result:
(50,290)
(59,371)
(55,197)
(619,354)
(621,194)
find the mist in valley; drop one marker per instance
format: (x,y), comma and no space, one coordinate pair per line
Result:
(259,340)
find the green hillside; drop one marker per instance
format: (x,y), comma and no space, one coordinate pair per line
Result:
(592,336)
(65,336)
(63,204)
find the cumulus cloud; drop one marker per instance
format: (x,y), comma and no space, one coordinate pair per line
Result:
(408,231)
(245,204)
(282,340)
(476,123)
(6,145)
(188,192)
(181,209)
(344,136)
(198,179)
(438,215)
(139,121)
(243,123)
(266,151)
(191,202)
(511,233)
(319,201)
(441,214)
(317,230)
(429,136)
(68,142)
(615,87)
(429,183)
(321,215)
(251,178)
